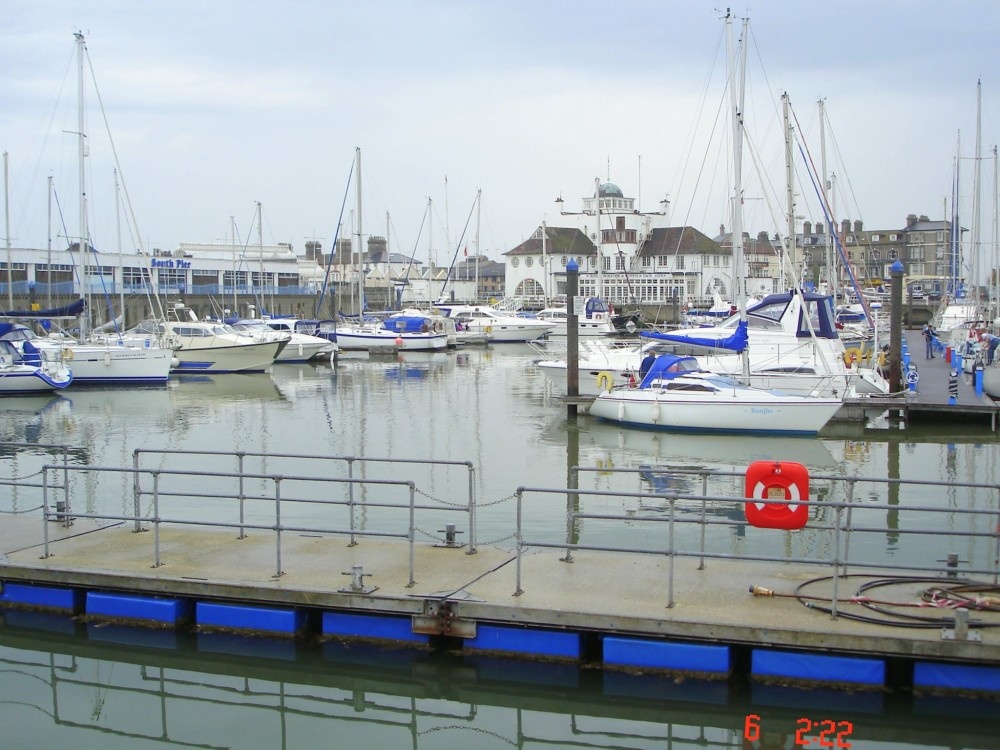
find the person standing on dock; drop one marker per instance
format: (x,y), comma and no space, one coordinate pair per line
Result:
(929,335)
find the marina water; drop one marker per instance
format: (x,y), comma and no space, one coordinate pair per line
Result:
(486,406)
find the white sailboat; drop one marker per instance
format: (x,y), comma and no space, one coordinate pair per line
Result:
(102,359)
(676,394)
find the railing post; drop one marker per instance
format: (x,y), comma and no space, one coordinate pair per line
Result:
(472,509)
(413,530)
(350,499)
(45,513)
(156,520)
(136,491)
(277,526)
(670,553)
(704,519)
(240,467)
(851,483)
(519,538)
(836,561)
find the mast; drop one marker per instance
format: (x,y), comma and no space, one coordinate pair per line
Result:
(545,272)
(260,250)
(793,259)
(976,238)
(6,211)
(121,262)
(48,256)
(737,68)
(832,277)
(479,211)
(83,244)
(599,292)
(359,235)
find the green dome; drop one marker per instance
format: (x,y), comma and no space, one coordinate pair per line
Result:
(610,190)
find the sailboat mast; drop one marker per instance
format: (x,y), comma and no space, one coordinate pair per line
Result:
(793,260)
(600,239)
(737,68)
(976,239)
(832,277)
(121,262)
(83,245)
(359,235)
(479,210)
(6,211)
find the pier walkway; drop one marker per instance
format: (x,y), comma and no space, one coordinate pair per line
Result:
(826,592)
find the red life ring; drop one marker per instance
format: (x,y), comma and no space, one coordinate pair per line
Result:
(774,489)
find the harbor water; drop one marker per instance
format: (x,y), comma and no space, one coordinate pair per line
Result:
(491,409)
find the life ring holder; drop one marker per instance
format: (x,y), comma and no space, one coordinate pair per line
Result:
(67,354)
(605,381)
(774,491)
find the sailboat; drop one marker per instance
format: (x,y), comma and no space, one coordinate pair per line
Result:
(370,333)
(676,394)
(101,359)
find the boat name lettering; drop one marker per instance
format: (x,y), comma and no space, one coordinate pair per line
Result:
(169,263)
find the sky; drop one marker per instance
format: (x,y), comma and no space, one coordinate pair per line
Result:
(212,107)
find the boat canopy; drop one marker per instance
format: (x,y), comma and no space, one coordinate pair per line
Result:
(70,311)
(668,366)
(736,342)
(818,307)
(406,323)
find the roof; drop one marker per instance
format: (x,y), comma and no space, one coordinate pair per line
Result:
(674,240)
(558,241)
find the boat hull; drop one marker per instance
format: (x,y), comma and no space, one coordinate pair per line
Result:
(118,365)
(348,340)
(767,414)
(222,359)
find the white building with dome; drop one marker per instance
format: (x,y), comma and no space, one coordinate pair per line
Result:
(626,256)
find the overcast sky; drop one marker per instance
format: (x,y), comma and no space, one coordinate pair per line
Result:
(215,105)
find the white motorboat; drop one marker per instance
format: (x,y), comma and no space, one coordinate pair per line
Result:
(203,346)
(677,395)
(503,327)
(299,347)
(29,370)
(303,346)
(593,320)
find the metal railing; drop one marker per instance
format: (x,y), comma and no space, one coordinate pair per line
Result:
(832,517)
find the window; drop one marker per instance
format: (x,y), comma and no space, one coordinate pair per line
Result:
(850,239)
(875,238)
(680,262)
(661,261)
(529,262)
(514,262)
(563,260)
(620,262)
(893,238)
(646,261)
(893,254)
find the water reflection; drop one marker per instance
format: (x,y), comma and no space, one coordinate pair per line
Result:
(222,691)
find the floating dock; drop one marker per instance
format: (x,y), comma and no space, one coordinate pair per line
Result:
(636,612)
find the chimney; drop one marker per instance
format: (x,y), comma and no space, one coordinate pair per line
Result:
(722,229)
(807,228)
(845,226)
(762,237)
(923,218)
(857,227)
(819,227)
(911,219)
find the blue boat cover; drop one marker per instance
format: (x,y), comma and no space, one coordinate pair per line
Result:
(735,342)
(72,310)
(668,366)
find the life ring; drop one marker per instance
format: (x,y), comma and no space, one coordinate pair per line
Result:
(67,354)
(852,355)
(605,381)
(774,489)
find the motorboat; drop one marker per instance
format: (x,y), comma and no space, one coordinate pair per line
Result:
(676,394)
(458,334)
(299,347)
(504,327)
(304,345)
(593,320)
(28,370)
(205,346)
